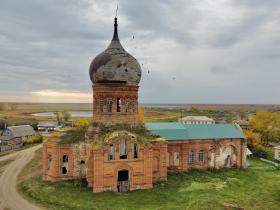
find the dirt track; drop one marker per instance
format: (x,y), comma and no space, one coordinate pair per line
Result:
(9,197)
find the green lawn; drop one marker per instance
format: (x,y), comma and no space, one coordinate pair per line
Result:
(258,187)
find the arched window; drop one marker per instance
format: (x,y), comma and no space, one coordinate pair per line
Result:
(111,152)
(119,105)
(191,156)
(176,159)
(133,105)
(95,104)
(65,159)
(109,105)
(201,156)
(101,102)
(127,108)
(49,161)
(64,168)
(123,149)
(135,151)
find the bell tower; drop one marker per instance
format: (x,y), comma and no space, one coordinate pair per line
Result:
(115,76)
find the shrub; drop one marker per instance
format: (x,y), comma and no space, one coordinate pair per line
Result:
(259,152)
(37,138)
(55,134)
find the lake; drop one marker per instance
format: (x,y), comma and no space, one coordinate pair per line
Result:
(73,114)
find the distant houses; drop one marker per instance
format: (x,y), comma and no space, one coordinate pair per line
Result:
(244,124)
(13,136)
(196,120)
(47,126)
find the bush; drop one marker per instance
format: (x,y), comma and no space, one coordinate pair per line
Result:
(260,152)
(37,138)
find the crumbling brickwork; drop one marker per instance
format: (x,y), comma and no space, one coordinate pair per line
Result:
(115,103)
(216,154)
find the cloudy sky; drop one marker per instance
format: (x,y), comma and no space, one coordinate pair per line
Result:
(222,51)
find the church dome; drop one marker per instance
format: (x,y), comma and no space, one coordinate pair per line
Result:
(115,65)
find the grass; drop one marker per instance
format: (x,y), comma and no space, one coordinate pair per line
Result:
(33,168)
(258,187)
(23,112)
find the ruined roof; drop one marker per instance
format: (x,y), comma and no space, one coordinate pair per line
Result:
(115,65)
(178,131)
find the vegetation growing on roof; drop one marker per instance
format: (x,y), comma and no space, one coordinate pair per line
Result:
(78,134)
(73,136)
(140,132)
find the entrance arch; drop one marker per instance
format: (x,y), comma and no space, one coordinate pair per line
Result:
(123,174)
(229,156)
(123,181)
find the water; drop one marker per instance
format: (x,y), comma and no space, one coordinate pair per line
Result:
(73,114)
(89,113)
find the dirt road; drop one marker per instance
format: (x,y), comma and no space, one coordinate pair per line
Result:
(9,197)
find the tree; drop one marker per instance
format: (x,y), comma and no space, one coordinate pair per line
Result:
(66,116)
(267,124)
(242,115)
(2,107)
(82,123)
(37,138)
(55,134)
(253,139)
(193,109)
(141,114)
(13,107)
(57,116)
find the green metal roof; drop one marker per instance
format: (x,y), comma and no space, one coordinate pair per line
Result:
(179,131)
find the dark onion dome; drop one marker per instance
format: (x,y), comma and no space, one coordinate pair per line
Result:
(115,65)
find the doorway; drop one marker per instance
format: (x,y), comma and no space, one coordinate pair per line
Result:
(82,169)
(123,182)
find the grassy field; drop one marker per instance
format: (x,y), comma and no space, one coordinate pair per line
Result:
(256,188)
(23,111)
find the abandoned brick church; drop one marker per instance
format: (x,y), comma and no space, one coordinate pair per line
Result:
(118,152)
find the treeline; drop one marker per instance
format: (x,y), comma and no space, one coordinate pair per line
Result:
(264,132)
(267,125)
(8,106)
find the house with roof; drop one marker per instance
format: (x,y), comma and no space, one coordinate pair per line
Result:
(47,126)
(196,120)
(12,137)
(120,153)
(201,145)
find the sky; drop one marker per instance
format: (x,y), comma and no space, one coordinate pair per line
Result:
(222,51)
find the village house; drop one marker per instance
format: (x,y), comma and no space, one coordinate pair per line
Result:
(13,136)
(196,120)
(244,124)
(47,126)
(120,153)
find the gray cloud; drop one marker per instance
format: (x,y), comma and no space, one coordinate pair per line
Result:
(196,51)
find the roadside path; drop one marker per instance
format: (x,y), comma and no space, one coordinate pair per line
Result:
(9,197)
(9,156)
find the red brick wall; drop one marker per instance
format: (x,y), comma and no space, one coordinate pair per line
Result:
(148,168)
(57,151)
(183,147)
(115,91)
(105,172)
